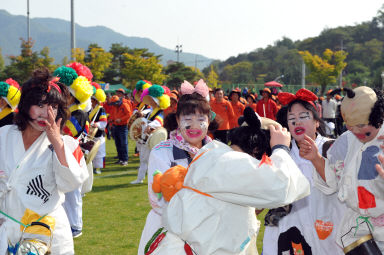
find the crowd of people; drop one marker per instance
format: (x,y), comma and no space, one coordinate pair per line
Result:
(214,159)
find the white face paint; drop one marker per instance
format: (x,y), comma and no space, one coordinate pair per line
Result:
(39,116)
(194,128)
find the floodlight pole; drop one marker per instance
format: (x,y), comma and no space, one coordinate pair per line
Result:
(179,49)
(73,45)
(28,30)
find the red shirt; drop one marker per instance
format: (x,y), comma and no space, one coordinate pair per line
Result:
(269,108)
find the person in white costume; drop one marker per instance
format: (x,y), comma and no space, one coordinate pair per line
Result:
(352,168)
(311,223)
(214,210)
(158,100)
(189,134)
(38,165)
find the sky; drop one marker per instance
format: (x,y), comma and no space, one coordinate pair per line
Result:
(214,28)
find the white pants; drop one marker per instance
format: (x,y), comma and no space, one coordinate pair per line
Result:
(144,156)
(152,224)
(98,161)
(73,206)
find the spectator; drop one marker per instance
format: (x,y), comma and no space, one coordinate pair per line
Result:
(224,115)
(266,107)
(238,107)
(329,108)
(9,99)
(251,102)
(121,114)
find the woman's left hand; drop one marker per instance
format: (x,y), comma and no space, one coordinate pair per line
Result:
(53,128)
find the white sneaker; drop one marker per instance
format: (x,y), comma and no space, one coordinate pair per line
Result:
(137,181)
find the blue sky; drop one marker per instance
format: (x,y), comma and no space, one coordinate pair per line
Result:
(214,28)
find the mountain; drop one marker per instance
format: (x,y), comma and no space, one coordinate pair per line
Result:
(56,35)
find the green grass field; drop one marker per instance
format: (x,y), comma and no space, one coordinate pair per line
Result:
(114,212)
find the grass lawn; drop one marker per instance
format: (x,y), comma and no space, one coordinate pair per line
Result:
(114,212)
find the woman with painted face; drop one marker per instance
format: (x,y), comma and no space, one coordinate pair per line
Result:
(37,166)
(187,129)
(353,169)
(308,224)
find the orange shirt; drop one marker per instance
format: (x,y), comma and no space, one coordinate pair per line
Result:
(224,114)
(238,110)
(253,106)
(122,112)
(268,107)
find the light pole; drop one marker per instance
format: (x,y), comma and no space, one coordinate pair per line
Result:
(382,80)
(179,49)
(73,40)
(28,29)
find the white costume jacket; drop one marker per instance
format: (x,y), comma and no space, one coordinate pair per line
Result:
(35,180)
(350,171)
(225,223)
(163,156)
(313,221)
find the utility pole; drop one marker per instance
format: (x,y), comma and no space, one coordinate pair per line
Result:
(341,72)
(28,30)
(302,74)
(73,45)
(179,49)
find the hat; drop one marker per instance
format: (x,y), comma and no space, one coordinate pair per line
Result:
(329,92)
(114,99)
(173,96)
(338,97)
(357,105)
(157,93)
(10,92)
(252,96)
(77,78)
(234,91)
(267,90)
(98,93)
(121,90)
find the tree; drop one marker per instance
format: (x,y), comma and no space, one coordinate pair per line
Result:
(324,70)
(22,66)
(177,73)
(142,65)
(113,73)
(212,78)
(97,60)
(78,54)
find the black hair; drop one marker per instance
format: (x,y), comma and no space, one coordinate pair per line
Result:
(281,115)
(190,104)
(217,89)
(376,117)
(38,91)
(251,138)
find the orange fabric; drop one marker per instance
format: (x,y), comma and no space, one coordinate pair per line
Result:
(224,114)
(238,110)
(323,229)
(170,182)
(197,191)
(122,112)
(270,109)
(265,160)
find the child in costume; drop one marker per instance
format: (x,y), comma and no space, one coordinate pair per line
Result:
(9,99)
(188,135)
(78,79)
(98,119)
(158,100)
(213,209)
(350,167)
(310,223)
(37,166)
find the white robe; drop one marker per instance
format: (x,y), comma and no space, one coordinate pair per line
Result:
(162,157)
(36,180)
(350,171)
(225,223)
(316,216)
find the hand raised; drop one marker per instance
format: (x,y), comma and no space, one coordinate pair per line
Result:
(52,128)
(279,135)
(308,148)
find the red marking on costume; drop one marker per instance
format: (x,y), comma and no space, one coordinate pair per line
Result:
(78,154)
(155,244)
(323,229)
(366,199)
(265,160)
(188,249)
(67,131)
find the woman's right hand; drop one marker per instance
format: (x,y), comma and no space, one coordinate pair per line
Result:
(279,135)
